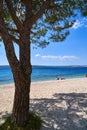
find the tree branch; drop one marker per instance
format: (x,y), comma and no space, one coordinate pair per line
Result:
(13,30)
(7,39)
(28,14)
(41,11)
(30,18)
(15,40)
(13,15)
(1,11)
(28,9)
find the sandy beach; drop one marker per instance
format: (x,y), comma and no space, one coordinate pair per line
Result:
(62,104)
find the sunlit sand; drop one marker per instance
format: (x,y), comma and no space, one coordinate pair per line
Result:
(62,104)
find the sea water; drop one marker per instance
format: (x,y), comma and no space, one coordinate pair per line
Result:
(44,73)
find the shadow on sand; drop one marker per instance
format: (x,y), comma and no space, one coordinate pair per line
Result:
(3,116)
(62,112)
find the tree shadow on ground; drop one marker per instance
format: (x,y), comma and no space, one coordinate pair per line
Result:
(3,116)
(63,111)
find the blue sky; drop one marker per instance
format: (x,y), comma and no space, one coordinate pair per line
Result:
(72,51)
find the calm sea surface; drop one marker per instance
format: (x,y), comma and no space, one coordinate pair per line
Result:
(43,73)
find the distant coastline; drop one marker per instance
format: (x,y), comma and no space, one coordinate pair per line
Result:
(51,66)
(60,66)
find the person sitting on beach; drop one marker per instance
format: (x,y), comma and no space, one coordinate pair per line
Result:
(60,78)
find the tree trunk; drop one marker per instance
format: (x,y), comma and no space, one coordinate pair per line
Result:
(21,70)
(20,114)
(22,79)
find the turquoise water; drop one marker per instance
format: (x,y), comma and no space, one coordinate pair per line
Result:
(43,73)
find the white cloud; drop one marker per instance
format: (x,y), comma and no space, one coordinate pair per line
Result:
(37,55)
(80,23)
(50,57)
(53,57)
(69,57)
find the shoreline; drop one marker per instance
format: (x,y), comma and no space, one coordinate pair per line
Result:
(34,82)
(62,104)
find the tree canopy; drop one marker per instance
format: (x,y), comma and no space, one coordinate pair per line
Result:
(41,16)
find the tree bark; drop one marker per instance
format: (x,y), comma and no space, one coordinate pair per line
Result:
(22,80)
(20,114)
(21,70)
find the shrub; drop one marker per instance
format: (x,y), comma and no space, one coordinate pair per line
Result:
(35,123)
